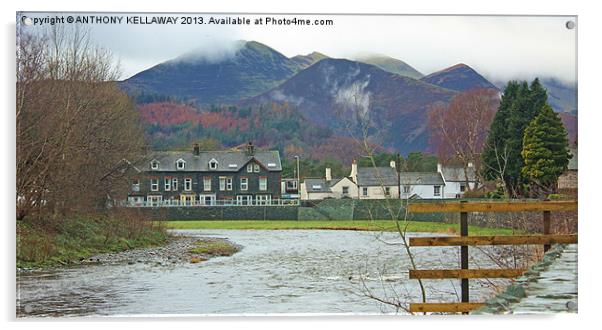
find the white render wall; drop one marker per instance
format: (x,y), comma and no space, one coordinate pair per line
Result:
(452,188)
(337,189)
(424,191)
(377,192)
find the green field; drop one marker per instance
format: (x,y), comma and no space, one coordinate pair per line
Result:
(367,225)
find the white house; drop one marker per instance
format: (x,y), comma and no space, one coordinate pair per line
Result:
(455,178)
(327,187)
(376,182)
(428,185)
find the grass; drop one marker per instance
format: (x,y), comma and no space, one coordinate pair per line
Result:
(214,248)
(365,225)
(42,245)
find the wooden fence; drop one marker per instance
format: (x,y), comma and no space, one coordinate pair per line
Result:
(464,274)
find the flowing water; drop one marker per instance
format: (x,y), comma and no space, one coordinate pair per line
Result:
(279,271)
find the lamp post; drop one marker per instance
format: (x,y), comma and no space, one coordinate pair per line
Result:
(298,174)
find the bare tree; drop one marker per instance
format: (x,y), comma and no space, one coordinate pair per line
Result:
(459,129)
(73,124)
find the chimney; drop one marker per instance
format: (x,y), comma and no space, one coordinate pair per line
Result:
(392,164)
(439,168)
(353,173)
(250,149)
(196,149)
(328,174)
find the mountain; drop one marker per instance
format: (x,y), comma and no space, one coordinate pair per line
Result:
(561,96)
(333,92)
(251,68)
(303,61)
(390,64)
(459,77)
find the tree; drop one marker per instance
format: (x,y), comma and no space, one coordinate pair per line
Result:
(73,125)
(545,152)
(502,159)
(459,129)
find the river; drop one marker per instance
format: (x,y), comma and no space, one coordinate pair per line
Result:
(277,271)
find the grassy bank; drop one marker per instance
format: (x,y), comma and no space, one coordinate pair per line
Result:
(376,225)
(42,245)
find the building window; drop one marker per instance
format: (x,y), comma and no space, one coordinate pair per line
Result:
(462,188)
(263,183)
(187,200)
(154,165)
(346,190)
(256,168)
(244,200)
(365,191)
(291,185)
(180,164)
(244,183)
(229,183)
(154,200)
(387,191)
(263,200)
(174,184)
(136,185)
(406,189)
(213,164)
(167,184)
(207,200)
(188,184)
(222,183)
(207,183)
(154,184)
(249,168)
(437,190)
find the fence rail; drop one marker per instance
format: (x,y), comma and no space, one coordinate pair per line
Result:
(464,274)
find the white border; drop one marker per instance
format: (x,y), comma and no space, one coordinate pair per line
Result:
(589,124)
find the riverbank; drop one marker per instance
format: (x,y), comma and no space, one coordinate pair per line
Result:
(180,249)
(71,241)
(359,225)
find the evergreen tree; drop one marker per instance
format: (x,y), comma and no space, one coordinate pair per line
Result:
(502,157)
(545,152)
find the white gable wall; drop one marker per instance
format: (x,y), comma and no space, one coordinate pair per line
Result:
(337,189)
(424,191)
(452,188)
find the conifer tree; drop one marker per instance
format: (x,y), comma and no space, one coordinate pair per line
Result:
(545,152)
(502,158)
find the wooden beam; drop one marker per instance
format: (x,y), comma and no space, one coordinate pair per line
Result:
(514,206)
(464,273)
(444,307)
(493,240)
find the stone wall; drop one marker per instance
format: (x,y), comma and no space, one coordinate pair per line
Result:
(222,213)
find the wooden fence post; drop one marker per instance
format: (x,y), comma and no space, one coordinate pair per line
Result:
(546,228)
(464,255)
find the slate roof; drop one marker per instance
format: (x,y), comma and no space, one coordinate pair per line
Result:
(421,178)
(227,161)
(311,185)
(456,173)
(316,185)
(376,176)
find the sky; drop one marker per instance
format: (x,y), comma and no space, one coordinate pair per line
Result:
(499,47)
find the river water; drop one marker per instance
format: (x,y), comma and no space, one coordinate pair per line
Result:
(279,271)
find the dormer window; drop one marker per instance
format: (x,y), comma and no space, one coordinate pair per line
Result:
(180,164)
(213,164)
(154,165)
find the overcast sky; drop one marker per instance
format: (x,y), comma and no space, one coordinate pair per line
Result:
(499,47)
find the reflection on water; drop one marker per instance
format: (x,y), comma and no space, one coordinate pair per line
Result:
(286,271)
